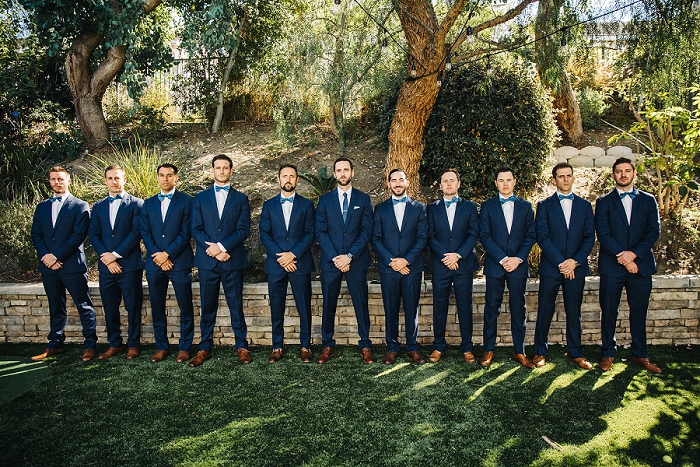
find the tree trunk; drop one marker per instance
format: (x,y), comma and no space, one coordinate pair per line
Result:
(568,116)
(227,75)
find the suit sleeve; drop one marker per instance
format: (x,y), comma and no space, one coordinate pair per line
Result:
(415,254)
(377,235)
(652,230)
(322,236)
(472,234)
(37,234)
(265,228)
(304,244)
(146,232)
(529,237)
(602,227)
(581,256)
(492,249)
(365,229)
(242,230)
(133,239)
(436,246)
(95,231)
(77,237)
(549,249)
(182,240)
(197,222)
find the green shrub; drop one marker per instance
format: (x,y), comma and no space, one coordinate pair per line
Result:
(592,105)
(17,255)
(22,174)
(482,121)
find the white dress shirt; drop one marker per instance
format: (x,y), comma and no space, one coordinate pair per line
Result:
(508,210)
(566,205)
(165,204)
(221,196)
(114,208)
(399,210)
(287,209)
(627,203)
(451,210)
(56,207)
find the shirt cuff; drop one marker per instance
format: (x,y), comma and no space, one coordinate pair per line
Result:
(117,254)
(221,247)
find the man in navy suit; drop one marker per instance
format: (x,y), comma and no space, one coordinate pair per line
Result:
(115,236)
(165,229)
(627,223)
(287,232)
(507,232)
(343,231)
(220,225)
(399,237)
(59,227)
(565,232)
(453,225)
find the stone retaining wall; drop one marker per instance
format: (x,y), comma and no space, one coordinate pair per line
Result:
(673,317)
(592,156)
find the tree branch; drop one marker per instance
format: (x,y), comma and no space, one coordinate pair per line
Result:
(507,16)
(449,20)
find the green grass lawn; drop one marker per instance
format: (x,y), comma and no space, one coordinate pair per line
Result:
(123,413)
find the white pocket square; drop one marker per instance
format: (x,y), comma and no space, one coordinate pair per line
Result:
(356,207)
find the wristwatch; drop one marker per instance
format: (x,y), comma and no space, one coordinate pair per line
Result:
(351,256)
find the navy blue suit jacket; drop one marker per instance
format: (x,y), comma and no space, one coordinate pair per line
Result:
(408,243)
(461,239)
(231,230)
(65,239)
(276,238)
(171,235)
(498,244)
(336,237)
(124,239)
(559,243)
(616,235)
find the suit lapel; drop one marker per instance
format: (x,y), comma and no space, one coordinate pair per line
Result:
(173,205)
(293,214)
(501,216)
(560,211)
(351,209)
(277,210)
(61,213)
(442,214)
(122,207)
(617,202)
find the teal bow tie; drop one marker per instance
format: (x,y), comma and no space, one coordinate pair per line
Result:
(56,198)
(505,200)
(114,198)
(397,201)
(161,196)
(451,202)
(569,196)
(287,200)
(631,194)
(219,188)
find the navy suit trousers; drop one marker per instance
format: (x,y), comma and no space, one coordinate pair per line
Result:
(158,291)
(638,289)
(301,289)
(572,291)
(395,288)
(357,285)
(210,284)
(495,286)
(112,288)
(442,285)
(76,283)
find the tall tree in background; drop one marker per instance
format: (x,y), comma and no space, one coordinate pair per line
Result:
(104,38)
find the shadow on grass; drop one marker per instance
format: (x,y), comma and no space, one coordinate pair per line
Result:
(347,413)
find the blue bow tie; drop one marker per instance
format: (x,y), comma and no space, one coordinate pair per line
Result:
(505,200)
(631,194)
(569,196)
(451,202)
(114,198)
(287,200)
(56,198)
(397,201)
(219,188)
(161,196)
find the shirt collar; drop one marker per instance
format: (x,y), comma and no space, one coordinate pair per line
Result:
(619,192)
(171,192)
(340,193)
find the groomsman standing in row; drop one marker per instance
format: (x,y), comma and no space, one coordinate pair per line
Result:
(627,223)
(565,234)
(165,229)
(399,238)
(453,225)
(287,232)
(507,231)
(220,225)
(59,227)
(343,231)
(115,236)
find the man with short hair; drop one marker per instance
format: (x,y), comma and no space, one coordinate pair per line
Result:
(399,237)
(165,229)
(59,227)
(627,223)
(116,237)
(343,231)
(220,226)
(287,232)
(566,233)
(507,232)
(453,226)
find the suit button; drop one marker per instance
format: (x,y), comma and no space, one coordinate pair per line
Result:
(450,238)
(112,235)
(162,236)
(218,230)
(509,240)
(287,238)
(345,235)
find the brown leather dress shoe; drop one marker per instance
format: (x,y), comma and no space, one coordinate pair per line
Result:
(469,357)
(244,356)
(523,360)
(605,363)
(435,356)
(159,356)
(46,353)
(645,363)
(88,355)
(201,357)
(306,355)
(111,352)
(275,356)
(367,356)
(582,363)
(326,355)
(182,356)
(486,359)
(390,358)
(132,353)
(539,361)
(416,357)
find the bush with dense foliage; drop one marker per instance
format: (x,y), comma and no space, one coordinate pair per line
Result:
(484,119)
(17,255)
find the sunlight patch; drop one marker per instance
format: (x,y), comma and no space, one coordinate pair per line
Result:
(397,367)
(609,375)
(561,382)
(433,380)
(503,377)
(493,457)
(425,429)
(537,372)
